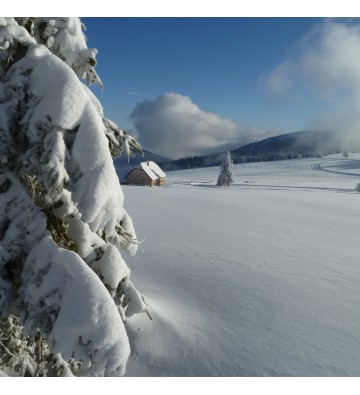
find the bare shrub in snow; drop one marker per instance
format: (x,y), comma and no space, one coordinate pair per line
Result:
(65,291)
(226,171)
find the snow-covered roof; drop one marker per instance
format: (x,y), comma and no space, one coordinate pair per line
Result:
(156,169)
(151,169)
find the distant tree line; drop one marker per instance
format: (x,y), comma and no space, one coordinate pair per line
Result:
(192,162)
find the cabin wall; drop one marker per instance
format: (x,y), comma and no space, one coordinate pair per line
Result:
(160,181)
(138,177)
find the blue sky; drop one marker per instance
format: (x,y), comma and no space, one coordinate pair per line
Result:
(254,72)
(215,61)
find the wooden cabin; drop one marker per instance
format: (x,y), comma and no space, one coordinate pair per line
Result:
(146,174)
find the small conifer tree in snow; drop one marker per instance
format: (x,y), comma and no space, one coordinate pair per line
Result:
(65,290)
(225,178)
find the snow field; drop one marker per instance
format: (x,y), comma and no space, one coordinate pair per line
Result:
(248,280)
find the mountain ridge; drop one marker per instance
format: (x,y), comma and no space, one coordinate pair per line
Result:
(284,146)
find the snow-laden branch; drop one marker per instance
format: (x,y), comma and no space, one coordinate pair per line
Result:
(62,220)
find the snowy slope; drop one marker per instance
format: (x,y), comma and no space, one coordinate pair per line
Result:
(259,279)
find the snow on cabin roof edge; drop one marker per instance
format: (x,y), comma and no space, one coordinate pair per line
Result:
(155,168)
(147,170)
(151,169)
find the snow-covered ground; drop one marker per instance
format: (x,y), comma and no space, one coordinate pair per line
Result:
(259,279)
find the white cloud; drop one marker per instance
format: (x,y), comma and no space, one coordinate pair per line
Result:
(328,56)
(326,66)
(280,80)
(173,126)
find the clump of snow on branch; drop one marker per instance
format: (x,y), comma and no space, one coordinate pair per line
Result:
(62,220)
(64,37)
(87,325)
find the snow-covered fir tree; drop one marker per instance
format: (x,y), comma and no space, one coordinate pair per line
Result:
(65,291)
(226,171)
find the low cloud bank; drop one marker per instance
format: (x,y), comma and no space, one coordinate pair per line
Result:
(173,126)
(325,67)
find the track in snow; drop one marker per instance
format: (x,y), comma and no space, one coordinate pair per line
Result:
(319,167)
